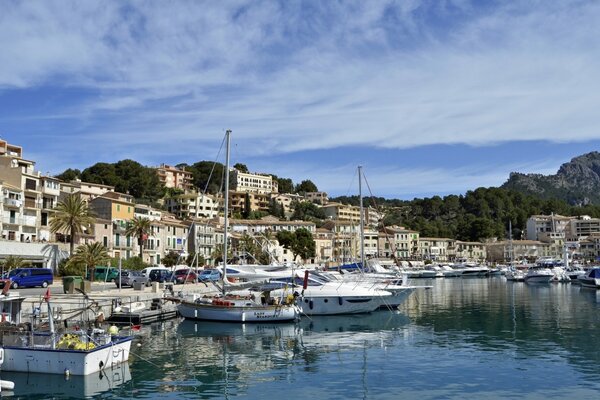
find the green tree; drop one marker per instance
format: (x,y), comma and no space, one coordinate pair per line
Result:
(307,211)
(69,175)
(72,215)
(132,263)
(139,228)
(284,185)
(241,167)
(171,259)
(90,256)
(300,243)
(247,206)
(306,186)
(11,262)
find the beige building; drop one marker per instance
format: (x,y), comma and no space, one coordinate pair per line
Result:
(173,177)
(254,183)
(317,197)
(436,249)
(344,212)
(202,239)
(539,224)
(470,251)
(257,201)
(529,250)
(21,196)
(193,205)
(86,190)
(286,200)
(399,243)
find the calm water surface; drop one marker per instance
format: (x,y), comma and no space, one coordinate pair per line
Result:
(465,338)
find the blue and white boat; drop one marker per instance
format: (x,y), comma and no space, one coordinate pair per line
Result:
(591,279)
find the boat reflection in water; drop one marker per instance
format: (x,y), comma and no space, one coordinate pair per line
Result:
(43,386)
(315,330)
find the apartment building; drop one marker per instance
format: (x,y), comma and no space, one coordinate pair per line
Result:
(193,205)
(202,239)
(436,249)
(472,251)
(344,212)
(254,183)
(286,200)
(539,224)
(118,208)
(240,201)
(530,250)
(317,197)
(86,190)
(268,225)
(173,177)
(398,242)
(21,196)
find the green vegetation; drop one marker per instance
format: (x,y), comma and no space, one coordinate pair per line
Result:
(140,228)
(11,262)
(300,243)
(88,256)
(72,215)
(132,263)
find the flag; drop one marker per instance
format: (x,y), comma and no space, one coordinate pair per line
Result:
(47,295)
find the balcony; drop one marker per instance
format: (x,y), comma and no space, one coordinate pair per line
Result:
(25,221)
(30,203)
(13,202)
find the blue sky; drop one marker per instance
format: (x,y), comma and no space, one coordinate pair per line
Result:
(431,97)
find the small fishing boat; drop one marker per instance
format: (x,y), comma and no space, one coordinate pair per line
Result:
(75,353)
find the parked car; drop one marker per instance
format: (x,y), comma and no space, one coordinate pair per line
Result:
(160,275)
(128,278)
(30,277)
(104,274)
(209,275)
(185,275)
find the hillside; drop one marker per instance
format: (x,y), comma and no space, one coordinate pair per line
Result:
(576,182)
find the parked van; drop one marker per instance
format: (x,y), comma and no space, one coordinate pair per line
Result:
(104,274)
(146,271)
(30,277)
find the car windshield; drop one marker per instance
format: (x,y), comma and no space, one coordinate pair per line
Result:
(14,272)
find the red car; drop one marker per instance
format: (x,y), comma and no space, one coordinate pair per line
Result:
(185,275)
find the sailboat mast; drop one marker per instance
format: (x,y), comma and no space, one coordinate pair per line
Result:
(510,238)
(226,210)
(362,219)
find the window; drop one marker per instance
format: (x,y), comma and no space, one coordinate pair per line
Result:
(118,207)
(105,241)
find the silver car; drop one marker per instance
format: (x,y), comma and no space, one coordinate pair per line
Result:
(128,278)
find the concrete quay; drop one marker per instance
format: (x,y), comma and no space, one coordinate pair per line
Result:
(102,300)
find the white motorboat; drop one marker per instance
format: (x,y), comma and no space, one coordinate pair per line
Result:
(320,296)
(515,275)
(591,279)
(450,272)
(539,273)
(235,308)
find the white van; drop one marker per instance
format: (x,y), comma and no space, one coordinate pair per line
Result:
(146,271)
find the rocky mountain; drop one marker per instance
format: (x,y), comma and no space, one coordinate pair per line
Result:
(576,182)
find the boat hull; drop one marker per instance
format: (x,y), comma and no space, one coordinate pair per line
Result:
(58,361)
(542,278)
(335,305)
(210,312)
(592,283)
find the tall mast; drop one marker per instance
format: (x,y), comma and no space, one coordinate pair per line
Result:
(362,219)
(510,239)
(226,210)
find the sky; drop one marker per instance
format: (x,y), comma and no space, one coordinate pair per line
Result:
(430,97)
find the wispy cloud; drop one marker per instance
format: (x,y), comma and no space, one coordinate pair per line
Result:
(164,79)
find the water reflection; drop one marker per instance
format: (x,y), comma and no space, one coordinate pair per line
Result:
(44,386)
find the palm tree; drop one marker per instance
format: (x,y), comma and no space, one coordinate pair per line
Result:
(72,216)
(11,262)
(139,228)
(90,255)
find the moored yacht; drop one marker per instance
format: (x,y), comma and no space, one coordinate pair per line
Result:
(591,279)
(539,273)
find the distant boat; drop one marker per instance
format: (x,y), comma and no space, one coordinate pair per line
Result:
(539,273)
(591,279)
(228,308)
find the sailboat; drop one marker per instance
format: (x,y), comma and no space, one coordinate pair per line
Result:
(233,308)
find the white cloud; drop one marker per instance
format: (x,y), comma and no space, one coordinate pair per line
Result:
(166,79)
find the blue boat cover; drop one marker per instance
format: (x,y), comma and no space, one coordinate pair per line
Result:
(595,273)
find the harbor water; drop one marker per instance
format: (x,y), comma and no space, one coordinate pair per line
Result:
(464,338)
